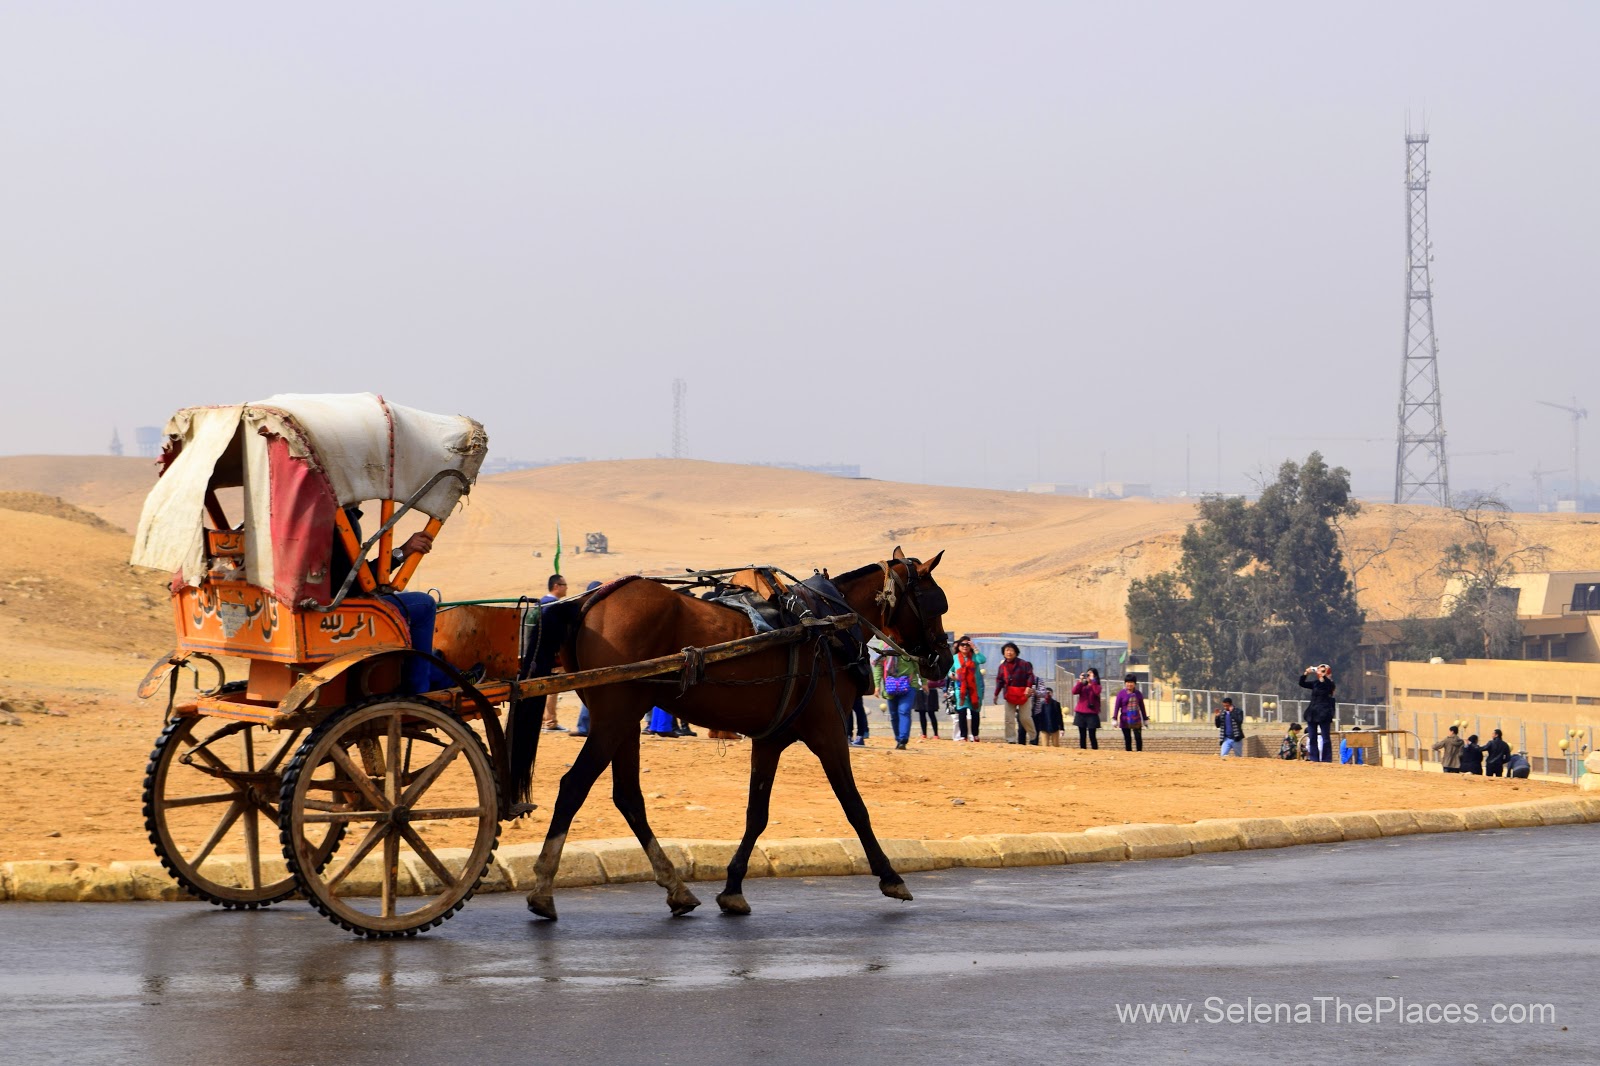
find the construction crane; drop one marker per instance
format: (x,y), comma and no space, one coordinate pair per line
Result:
(1578,415)
(1538,484)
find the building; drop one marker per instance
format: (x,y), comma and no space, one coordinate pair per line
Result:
(1121,490)
(1558,612)
(1549,710)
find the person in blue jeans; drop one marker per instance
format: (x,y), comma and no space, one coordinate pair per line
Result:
(897,681)
(1229,721)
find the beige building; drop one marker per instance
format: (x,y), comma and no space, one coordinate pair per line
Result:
(1537,705)
(1567,694)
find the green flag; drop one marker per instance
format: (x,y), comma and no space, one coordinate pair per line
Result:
(557,569)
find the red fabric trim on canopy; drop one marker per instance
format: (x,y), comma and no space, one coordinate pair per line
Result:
(302,510)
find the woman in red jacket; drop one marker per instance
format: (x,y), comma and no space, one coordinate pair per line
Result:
(1013,690)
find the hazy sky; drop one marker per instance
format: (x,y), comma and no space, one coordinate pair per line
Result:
(965,243)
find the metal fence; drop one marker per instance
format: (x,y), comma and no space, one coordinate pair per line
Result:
(1552,749)
(1187,706)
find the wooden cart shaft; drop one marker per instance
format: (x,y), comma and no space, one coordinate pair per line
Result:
(283,716)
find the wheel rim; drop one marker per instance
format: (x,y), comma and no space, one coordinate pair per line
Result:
(211,790)
(413,787)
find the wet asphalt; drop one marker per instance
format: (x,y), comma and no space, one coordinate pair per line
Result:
(1002,966)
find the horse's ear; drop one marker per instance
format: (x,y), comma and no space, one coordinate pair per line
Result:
(898,554)
(933,563)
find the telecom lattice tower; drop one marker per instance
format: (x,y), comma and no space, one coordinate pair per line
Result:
(680,393)
(1421,472)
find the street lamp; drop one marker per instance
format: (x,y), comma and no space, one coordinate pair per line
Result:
(1572,745)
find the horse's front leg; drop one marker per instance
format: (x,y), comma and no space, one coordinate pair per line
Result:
(629,798)
(575,785)
(763,768)
(827,741)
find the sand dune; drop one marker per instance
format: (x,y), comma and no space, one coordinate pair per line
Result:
(112,487)
(1012,560)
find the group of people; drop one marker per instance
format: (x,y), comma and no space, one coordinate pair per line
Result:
(1032,714)
(1494,759)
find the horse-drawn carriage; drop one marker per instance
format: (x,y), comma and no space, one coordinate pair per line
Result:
(367,730)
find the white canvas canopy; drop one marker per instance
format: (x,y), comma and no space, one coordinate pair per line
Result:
(298,457)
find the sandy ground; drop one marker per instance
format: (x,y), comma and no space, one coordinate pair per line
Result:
(80,776)
(78,628)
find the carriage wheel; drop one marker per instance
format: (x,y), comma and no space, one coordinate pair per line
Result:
(208,791)
(414,785)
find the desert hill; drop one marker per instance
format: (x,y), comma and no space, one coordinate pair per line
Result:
(1012,560)
(112,487)
(72,611)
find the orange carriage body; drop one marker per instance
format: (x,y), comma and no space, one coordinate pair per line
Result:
(262,592)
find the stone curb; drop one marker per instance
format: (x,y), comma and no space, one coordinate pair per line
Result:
(622,861)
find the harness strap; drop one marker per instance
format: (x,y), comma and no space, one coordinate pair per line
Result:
(694,669)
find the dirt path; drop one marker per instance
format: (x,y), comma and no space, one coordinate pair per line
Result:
(70,786)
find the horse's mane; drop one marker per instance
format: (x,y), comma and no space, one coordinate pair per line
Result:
(860,571)
(870,568)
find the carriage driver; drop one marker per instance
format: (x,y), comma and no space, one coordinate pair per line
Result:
(419,608)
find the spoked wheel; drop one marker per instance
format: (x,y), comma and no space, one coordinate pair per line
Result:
(415,787)
(209,790)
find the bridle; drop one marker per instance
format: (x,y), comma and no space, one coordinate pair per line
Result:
(919,598)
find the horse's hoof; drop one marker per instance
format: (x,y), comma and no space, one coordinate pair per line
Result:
(543,906)
(733,904)
(895,890)
(683,904)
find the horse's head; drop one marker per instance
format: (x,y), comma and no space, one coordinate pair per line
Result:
(913,611)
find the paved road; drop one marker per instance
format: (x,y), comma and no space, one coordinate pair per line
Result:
(1004,966)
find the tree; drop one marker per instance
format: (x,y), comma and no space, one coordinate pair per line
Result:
(1478,569)
(1261,589)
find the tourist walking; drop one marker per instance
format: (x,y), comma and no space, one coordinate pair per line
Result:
(1229,721)
(1130,714)
(1451,746)
(1472,757)
(1319,712)
(858,715)
(966,684)
(1086,712)
(1047,719)
(897,681)
(1013,690)
(1495,755)
(927,705)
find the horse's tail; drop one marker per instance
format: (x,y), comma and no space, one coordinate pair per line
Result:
(554,630)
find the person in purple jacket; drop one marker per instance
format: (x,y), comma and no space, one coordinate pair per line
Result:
(1130,713)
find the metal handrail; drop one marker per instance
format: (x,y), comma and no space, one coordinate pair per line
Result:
(400,512)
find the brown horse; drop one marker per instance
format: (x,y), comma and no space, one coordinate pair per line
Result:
(643,619)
